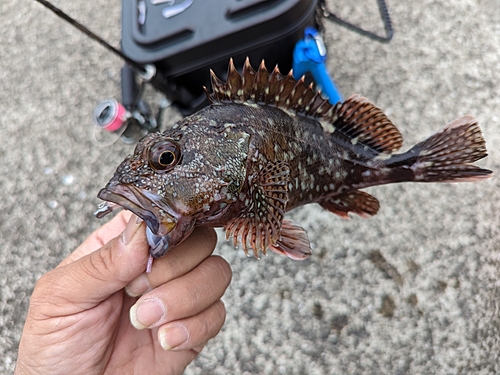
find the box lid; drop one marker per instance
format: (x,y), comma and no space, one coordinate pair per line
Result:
(183,35)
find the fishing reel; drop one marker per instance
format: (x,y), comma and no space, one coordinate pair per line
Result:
(133,118)
(164,44)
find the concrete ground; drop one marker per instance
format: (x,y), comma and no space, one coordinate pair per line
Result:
(414,290)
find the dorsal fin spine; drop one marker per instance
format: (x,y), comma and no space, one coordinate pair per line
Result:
(356,117)
(234,82)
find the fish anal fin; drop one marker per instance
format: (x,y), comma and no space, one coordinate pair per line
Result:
(357,202)
(259,225)
(293,243)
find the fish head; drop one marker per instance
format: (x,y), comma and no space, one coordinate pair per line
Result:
(177,180)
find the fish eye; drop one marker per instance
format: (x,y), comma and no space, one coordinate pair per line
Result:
(164,156)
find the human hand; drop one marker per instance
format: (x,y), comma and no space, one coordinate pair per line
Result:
(79,321)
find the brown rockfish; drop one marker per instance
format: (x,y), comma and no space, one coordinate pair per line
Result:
(267,144)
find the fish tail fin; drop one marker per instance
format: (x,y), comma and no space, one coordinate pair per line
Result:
(449,154)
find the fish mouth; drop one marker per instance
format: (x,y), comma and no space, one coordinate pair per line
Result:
(153,209)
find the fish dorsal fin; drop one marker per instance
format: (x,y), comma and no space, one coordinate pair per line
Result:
(264,88)
(357,118)
(365,123)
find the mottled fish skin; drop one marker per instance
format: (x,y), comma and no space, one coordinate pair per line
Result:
(268,144)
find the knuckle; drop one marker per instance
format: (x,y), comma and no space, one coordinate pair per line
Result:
(196,299)
(211,324)
(43,287)
(223,268)
(47,295)
(205,331)
(99,264)
(202,326)
(220,307)
(100,236)
(219,317)
(48,285)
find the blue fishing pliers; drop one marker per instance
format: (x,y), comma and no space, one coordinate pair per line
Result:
(309,55)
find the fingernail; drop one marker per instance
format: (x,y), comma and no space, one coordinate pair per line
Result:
(145,314)
(173,336)
(131,229)
(138,286)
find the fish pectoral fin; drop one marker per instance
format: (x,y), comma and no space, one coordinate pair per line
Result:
(259,225)
(357,202)
(294,242)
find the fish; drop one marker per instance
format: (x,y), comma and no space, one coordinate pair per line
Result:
(266,144)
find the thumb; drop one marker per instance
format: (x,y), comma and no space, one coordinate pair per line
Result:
(91,279)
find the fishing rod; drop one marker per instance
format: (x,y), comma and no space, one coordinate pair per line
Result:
(141,69)
(109,114)
(179,70)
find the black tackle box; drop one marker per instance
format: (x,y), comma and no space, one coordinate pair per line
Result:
(186,38)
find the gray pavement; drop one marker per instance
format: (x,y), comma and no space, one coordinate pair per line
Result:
(414,290)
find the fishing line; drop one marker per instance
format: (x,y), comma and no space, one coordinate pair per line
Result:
(138,67)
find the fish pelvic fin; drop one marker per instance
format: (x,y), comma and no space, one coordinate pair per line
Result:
(357,202)
(448,155)
(294,242)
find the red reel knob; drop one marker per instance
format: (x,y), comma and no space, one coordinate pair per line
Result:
(110,115)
